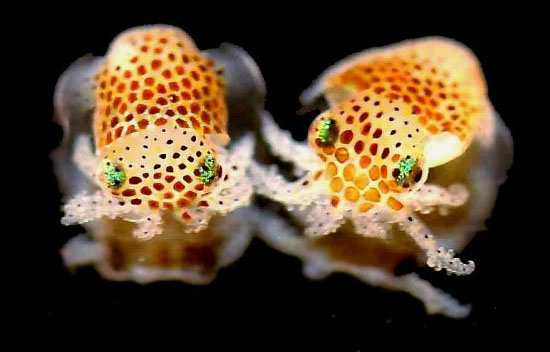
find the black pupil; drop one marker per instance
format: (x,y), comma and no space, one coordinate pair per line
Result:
(418,176)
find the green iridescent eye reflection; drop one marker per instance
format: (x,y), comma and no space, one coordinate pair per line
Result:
(327,131)
(113,175)
(207,171)
(405,166)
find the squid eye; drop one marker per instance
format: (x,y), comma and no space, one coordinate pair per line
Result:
(114,176)
(404,169)
(418,176)
(208,170)
(328,131)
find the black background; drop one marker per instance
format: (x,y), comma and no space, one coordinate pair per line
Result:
(266,288)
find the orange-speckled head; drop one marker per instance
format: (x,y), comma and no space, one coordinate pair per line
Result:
(440,80)
(155,76)
(372,151)
(161,168)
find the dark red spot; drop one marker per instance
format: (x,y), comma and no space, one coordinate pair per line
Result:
(195,108)
(128,193)
(346,136)
(366,129)
(141,108)
(178,186)
(160,121)
(385,153)
(182,110)
(134,180)
(182,203)
(373,148)
(191,195)
(173,86)
(147,94)
(155,64)
(143,123)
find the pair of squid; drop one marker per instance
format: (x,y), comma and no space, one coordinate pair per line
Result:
(408,139)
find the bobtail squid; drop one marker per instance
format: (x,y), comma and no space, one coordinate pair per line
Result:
(404,163)
(145,164)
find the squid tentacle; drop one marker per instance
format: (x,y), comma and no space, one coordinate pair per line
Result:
(268,182)
(284,237)
(322,219)
(235,191)
(286,148)
(437,258)
(369,226)
(84,208)
(429,197)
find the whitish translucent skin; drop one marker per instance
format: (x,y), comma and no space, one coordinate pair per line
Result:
(108,222)
(318,264)
(433,197)
(234,232)
(481,169)
(74,104)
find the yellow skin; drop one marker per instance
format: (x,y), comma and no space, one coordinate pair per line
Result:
(160,114)
(439,79)
(372,136)
(424,100)
(155,76)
